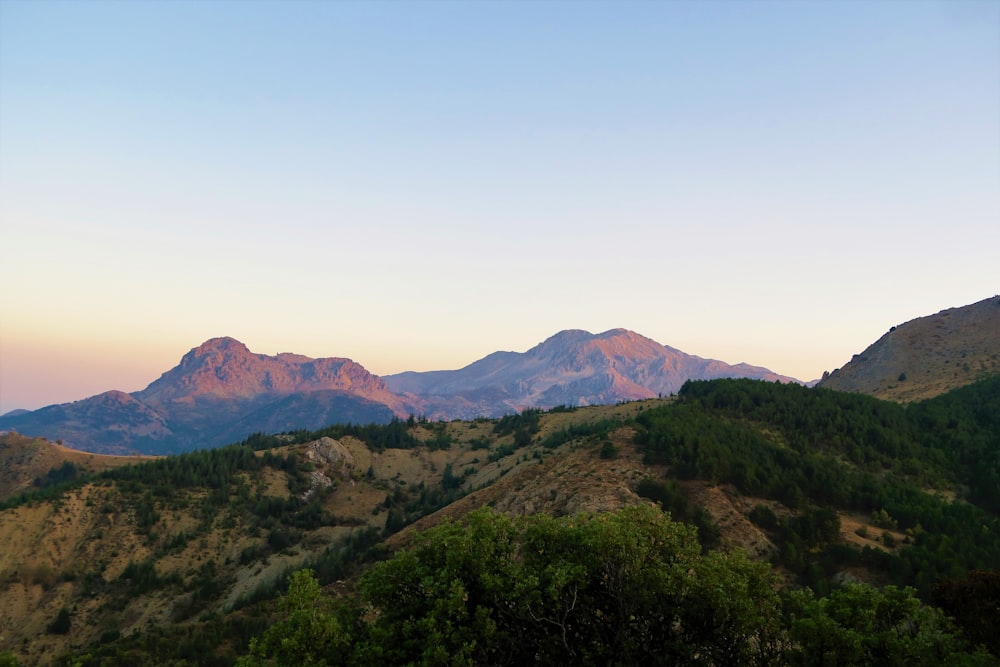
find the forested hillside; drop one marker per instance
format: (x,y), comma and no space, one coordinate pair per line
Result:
(635,588)
(930,470)
(879,524)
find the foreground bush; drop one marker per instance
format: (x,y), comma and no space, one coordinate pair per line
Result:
(625,588)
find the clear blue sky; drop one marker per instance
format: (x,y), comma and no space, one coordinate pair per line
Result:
(414,185)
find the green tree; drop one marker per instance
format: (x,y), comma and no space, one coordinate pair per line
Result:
(435,601)
(861,625)
(626,588)
(619,588)
(62,624)
(309,635)
(974,603)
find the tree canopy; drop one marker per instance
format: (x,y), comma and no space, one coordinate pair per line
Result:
(624,588)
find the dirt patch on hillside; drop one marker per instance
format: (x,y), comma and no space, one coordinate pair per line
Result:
(729,511)
(858,530)
(569,480)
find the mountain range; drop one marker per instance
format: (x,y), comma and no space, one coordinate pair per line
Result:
(221,392)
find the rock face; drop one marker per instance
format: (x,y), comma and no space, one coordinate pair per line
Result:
(331,459)
(330,454)
(225,368)
(571,368)
(927,356)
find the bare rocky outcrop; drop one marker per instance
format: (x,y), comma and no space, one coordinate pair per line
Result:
(331,459)
(329,453)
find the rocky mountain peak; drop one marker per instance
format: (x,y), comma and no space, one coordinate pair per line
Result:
(572,367)
(225,367)
(576,342)
(220,345)
(565,337)
(620,333)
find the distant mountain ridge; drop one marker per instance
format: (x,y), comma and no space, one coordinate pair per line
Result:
(220,392)
(927,356)
(573,367)
(226,368)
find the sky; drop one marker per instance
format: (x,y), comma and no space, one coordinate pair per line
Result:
(415,185)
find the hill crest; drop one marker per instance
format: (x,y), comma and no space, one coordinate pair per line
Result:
(926,356)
